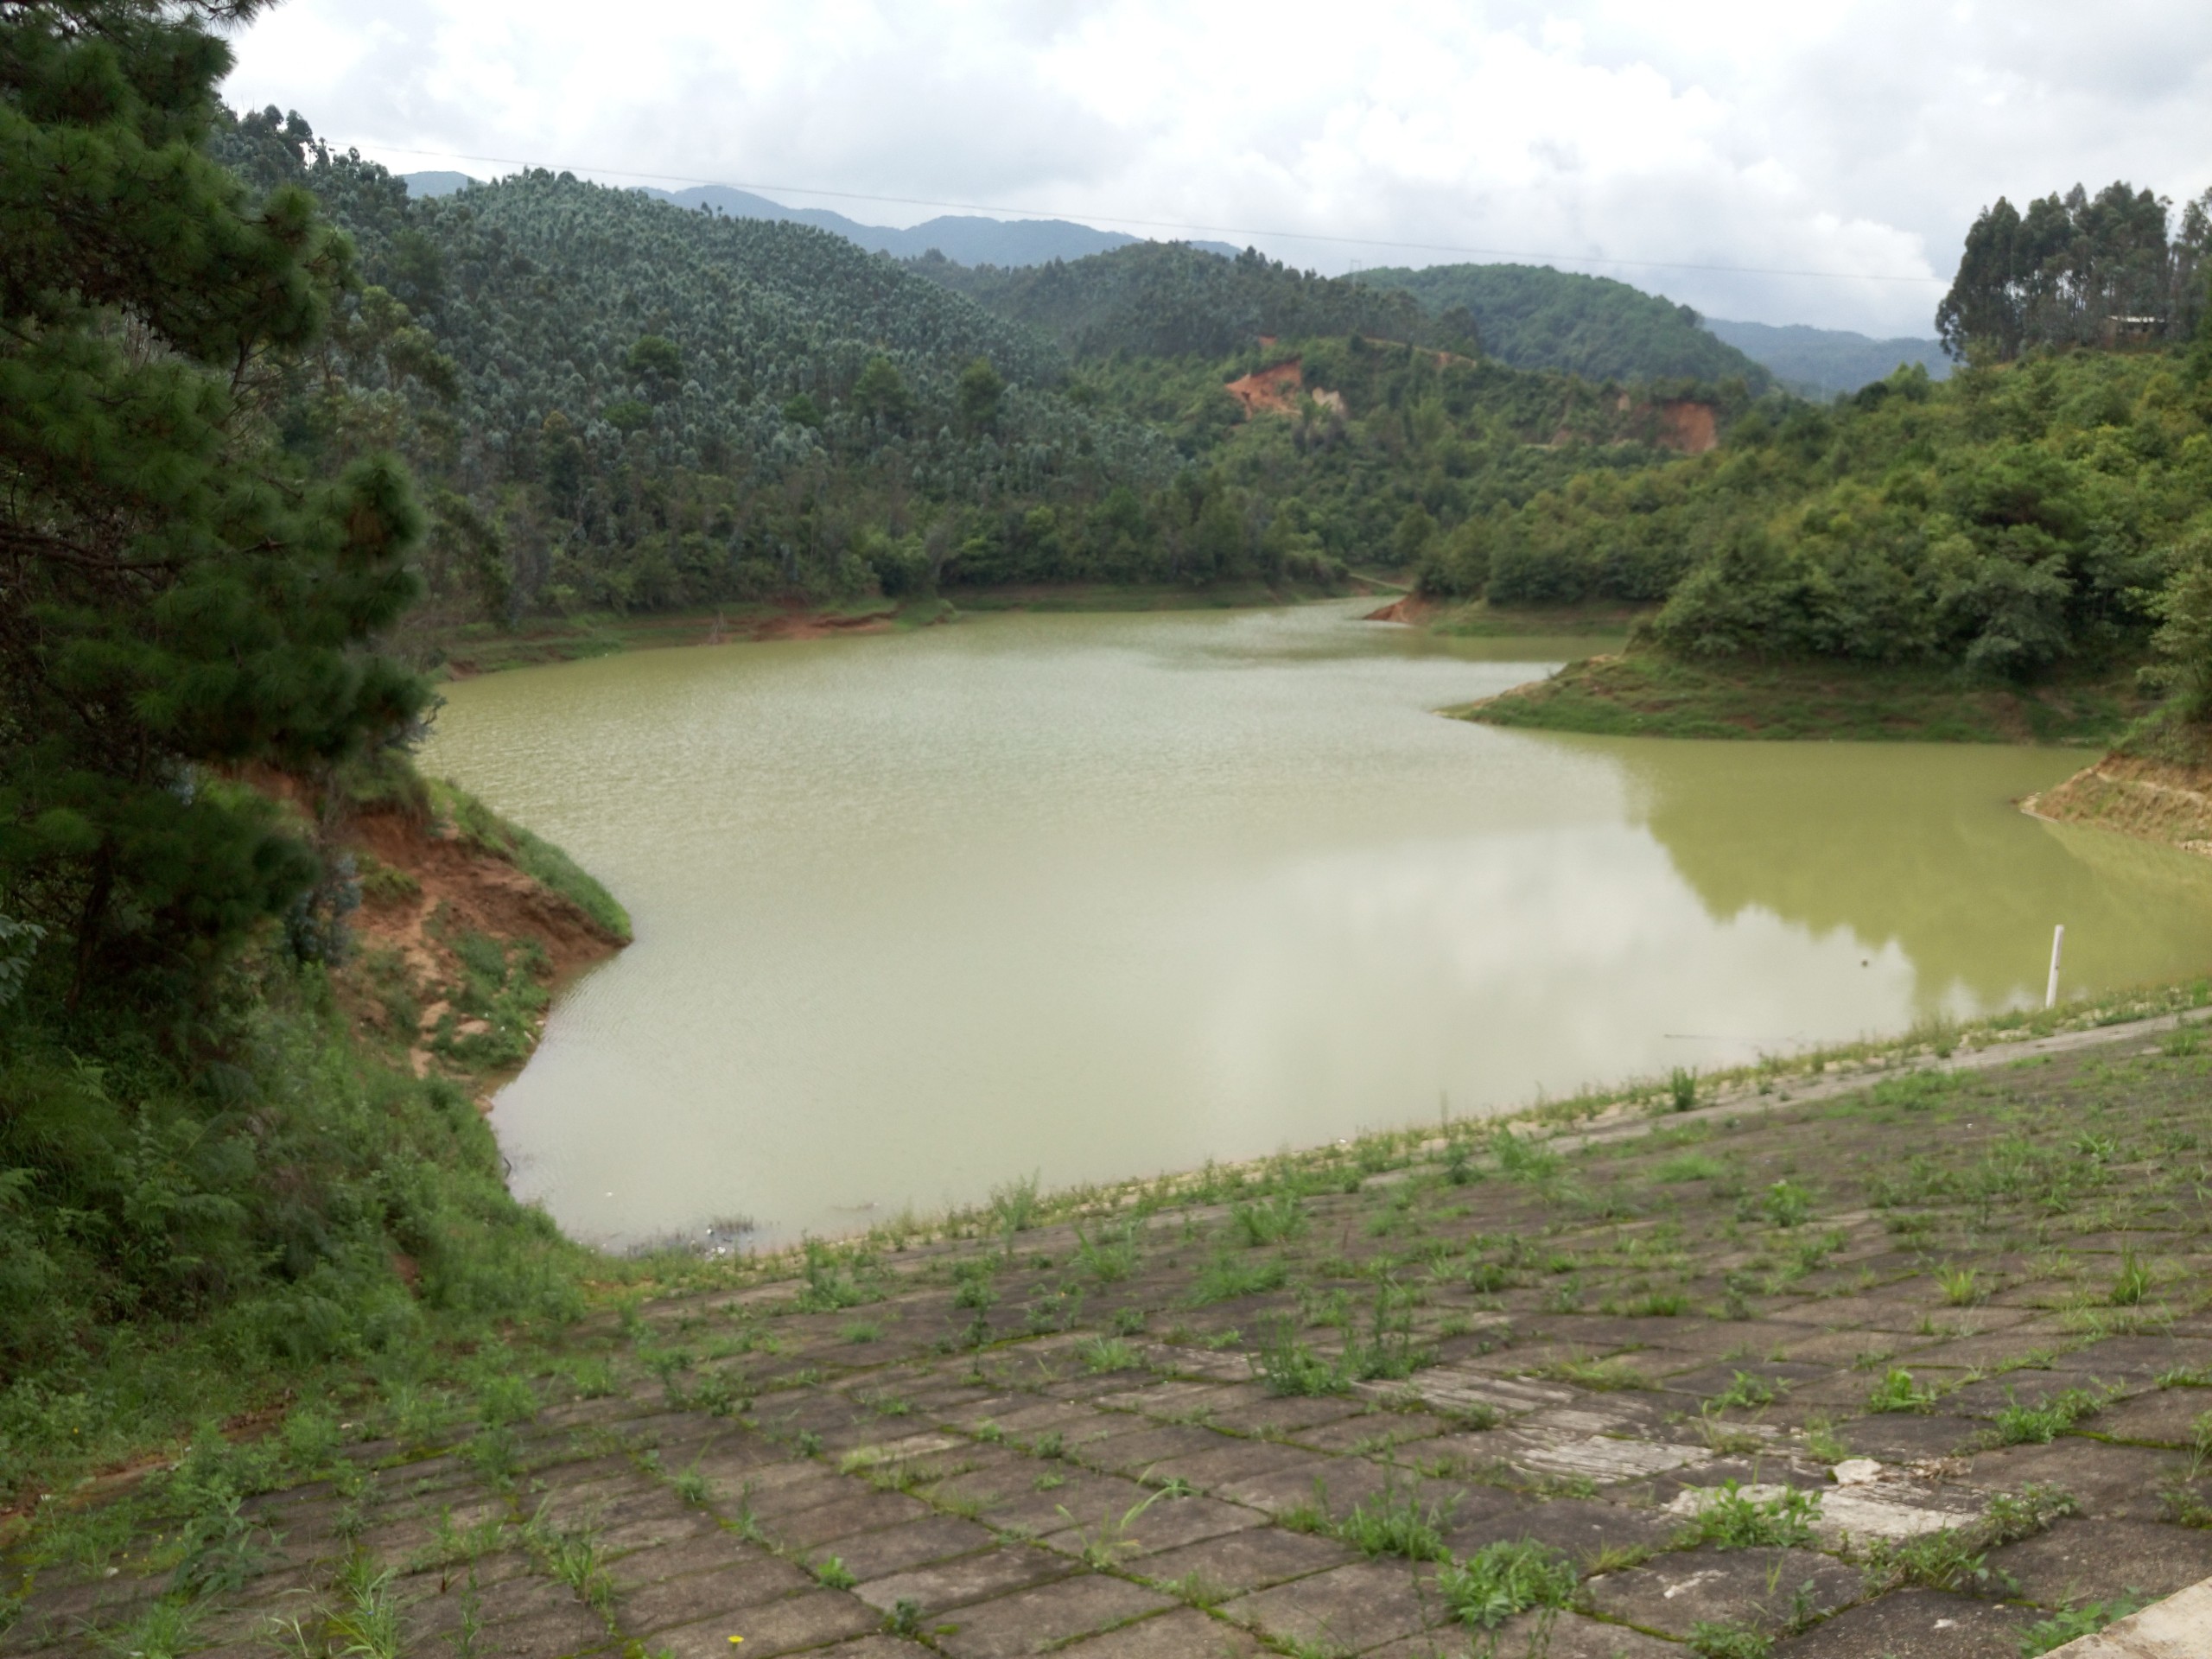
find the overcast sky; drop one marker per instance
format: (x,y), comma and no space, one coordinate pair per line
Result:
(1855,142)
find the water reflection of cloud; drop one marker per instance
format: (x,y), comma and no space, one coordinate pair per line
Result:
(1488,967)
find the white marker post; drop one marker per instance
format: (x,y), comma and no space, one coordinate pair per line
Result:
(2057,944)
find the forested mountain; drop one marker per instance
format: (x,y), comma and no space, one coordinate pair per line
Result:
(1822,362)
(1533,317)
(966,238)
(1167,299)
(618,403)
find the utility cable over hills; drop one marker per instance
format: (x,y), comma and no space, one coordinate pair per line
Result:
(1190,227)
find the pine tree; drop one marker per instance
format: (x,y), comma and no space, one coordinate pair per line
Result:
(178,600)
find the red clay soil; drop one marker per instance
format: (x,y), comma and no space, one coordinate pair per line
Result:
(1689,427)
(466,890)
(1410,608)
(1278,390)
(814,624)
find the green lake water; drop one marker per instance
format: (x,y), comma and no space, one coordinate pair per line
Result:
(1095,896)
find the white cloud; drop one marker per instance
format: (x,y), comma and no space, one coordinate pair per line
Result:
(1857,139)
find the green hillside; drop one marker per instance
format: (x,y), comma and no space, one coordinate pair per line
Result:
(1383,453)
(622,404)
(2011,522)
(1533,317)
(1168,299)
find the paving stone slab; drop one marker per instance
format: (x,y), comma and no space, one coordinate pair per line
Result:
(1334,1484)
(1583,1528)
(860,1512)
(696,1596)
(796,1623)
(570,1630)
(428,1611)
(1031,1620)
(2118,1481)
(965,1578)
(1986,1398)
(1216,1468)
(2179,1627)
(1166,1524)
(1098,1502)
(1291,1415)
(2079,1560)
(1908,1437)
(1915,1625)
(1356,1607)
(1840,1347)
(1145,1443)
(1555,1636)
(1601,1458)
(1252,1560)
(709,1550)
(917,1543)
(2166,1417)
(1377,1432)
(1676,1591)
(1184,1633)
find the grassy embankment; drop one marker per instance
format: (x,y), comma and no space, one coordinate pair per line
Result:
(300,1195)
(1282,1395)
(1644,693)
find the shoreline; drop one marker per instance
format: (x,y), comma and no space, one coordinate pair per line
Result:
(1596,1114)
(476,649)
(1640,694)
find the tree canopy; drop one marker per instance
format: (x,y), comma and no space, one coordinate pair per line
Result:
(178,598)
(2077,270)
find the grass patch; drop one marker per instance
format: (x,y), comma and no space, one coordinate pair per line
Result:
(1644,693)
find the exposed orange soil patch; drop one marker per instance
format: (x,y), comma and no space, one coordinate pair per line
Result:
(1412,607)
(1692,427)
(2153,800)
(457,887)
(811,625)
(1278,390)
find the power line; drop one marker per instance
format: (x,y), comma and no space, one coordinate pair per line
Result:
(1178,224)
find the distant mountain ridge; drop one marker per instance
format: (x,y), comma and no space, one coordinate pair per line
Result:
(1822,362)
(966,239)
(1527,316)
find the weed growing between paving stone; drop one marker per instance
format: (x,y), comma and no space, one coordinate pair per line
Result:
(1897,1391)
(1731,1518)
(1712,1639)
(1397,1523)
(1956,1558)
(2040,1424)
(2071,1625)
(1503,1580)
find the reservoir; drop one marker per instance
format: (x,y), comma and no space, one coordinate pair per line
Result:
(1097,896)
